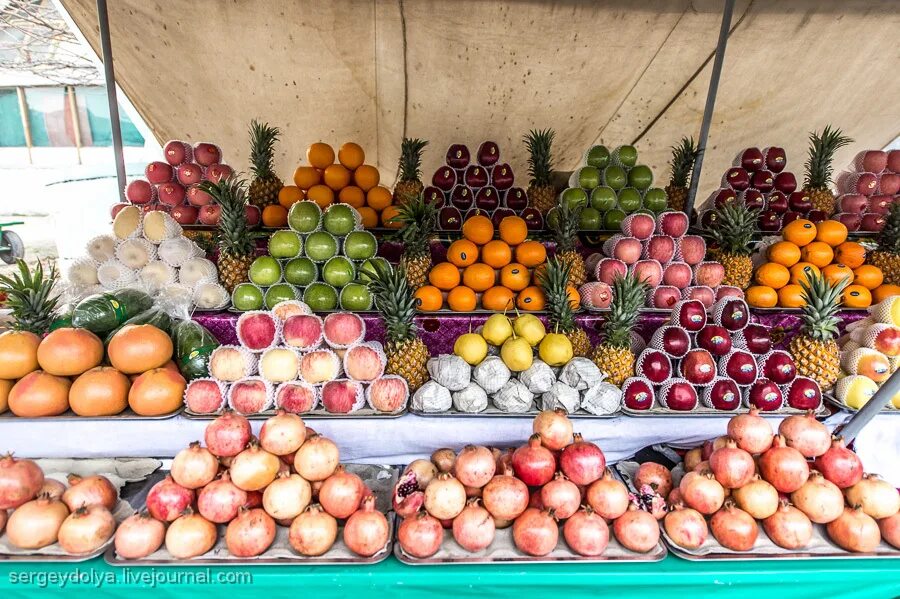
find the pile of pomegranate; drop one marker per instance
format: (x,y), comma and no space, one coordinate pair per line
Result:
(557,480)
(290,476)
(788,482)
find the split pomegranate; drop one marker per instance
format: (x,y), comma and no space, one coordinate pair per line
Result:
(220,500)
(636,530)
(254,468)
(533,463)
(656,475)
(783,466)
(758,498)
(586,533)
(287,496)
(282,434)
(366,531)
(93,490)
(840,465)
(819,499)
(341,493)
(444,459)
(250,534)
(313,532)
(535,532)
(889,527)
(408,496)
(686,527)
(194,467)
(608,497)
(445,497)
(734,528)
(475,466)
(86,529)
(20,481)
(554,428)
(138,536)
(474,527)
(733,467)
(854,530)
(805,434)
(876,497)
(562,495)
(52,488)
(788,527)
(505,497)
(227,435)
(424,470)
(751,432)
(190,535)
(582,461)
(702,492)
(35,523)
(317,458)
(167,499)
(420,535)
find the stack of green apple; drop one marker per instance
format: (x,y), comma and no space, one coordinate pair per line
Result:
(610,186)
(317,259)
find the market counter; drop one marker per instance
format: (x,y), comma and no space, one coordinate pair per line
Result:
(673,577)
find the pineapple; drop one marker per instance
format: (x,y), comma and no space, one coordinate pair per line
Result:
(887,256)
(541,193)
(818,167)
(735,224)
(409,185)
(559,309)
(418,219)
(565,231)
(407,355)
(30,296)
(237,244)
(613,356)
(682,163)
(814,348)
(265,185)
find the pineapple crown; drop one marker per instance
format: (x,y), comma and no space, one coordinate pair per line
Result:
(735,224)
(30,295)
(565,226)
(411,158)
(262,149)
(234,235)
(394,298)
(540,157)
(822,299)
(821,153)
(682,163)
(628,296)
(889,237)
(554,279)
(418,219)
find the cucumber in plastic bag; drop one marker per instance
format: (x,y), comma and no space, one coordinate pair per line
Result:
(154,316)
(193,345)
(102,312)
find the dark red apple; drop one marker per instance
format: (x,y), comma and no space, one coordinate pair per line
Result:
(799,201)
(732,313)
(789,217)
(878,204)
(502,177)
(777,202)
(533,219)
(816,216)
(252,213)
(803,394)
(724,196)
(852,202)
(499,214)
(755,338)
(769,221)
(637,393)
(185,214)
(654,365)
(487,199)
(889,183)
(872,222)
(450,219)
(776,159)
(673,340)
(752,159)
(737,178)
(851,220)
(753,199)
(475,212)
(715,339)
(698,367)
(864,183)
(786,182)
(873,161)
(488,153)
(462,197)
(433,195)
(740,366)
(765,395)
(679,395)
(458,156)
(476,176)
(690,315)
(723,394)
(444,178)
(763,180)
(708,219)
(778,366)
(516,199)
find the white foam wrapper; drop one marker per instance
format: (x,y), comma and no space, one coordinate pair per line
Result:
(538,377)
(112,274)
(664,388)
(358,402)
(223,389)
(514,397)
(375,347)
(128,222)
(560,395)
(337,370)
(288,308)
(83,273)
(176,294)
(177,251)
(101,248)
(157,275)
(315,344)
(451,371)
(471,399)
(492,374)
(705,396)
(581,374)
(718,310)
(432,397)
(269,399)
(637,343)
(196,271)
(135,253)
(602,399)
(362,334)
(388,377)
(210,296)
(159,226)
(290,353)
(276,337)
(250,362)
(284,387)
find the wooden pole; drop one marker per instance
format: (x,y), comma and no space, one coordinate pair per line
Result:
(26,126)
(76,124)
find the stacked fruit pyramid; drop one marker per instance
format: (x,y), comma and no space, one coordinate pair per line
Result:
(292,360)
(317,259)
(868,191)
(611,185)
(722,365)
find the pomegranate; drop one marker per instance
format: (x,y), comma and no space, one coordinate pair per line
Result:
(734,528)
(702,492)
(227,435)
(505,497)
(250,534)
(650,501)
(445,497)
(167,499)
(194,467)
(190,535)
(788,527)
(317,458)
(220,500)
(35,523)
(854,530)
(424,471)
(93,490)
(636,530)
(586,533)
(819,499)
(443,458)
(313,532)
(783,466)
(366,531)
(710,446)
(889,527)
(656,475)
(554,428)
(287,496)
(840,465)
(408,496)
(751,432)
(758,498)
(805,434)
(4,516)
(562,495)
(535,532)
(52,488)
(608,497)
(138,536)
(686,527)
(674,496)
(420,535)
(692,457)
(20,481)
(254,469)
(474,466)
(533,463)
(86,529)
(254,499)
(733,467)
(341,493)
(282,434)
(876,497)
(582,461)
(473,528)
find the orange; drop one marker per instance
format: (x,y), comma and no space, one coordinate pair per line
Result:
(531,253)
(531,298)
(444,276)
(496,253)
(352,195)
(368,216)
(498,299)
(800,231)
(868,276)
(351,155)
(574,297)
(773,275)
(817,253)
(834,273)
(513,230)
(761,296)
(515,276)
(856,296)
(850,253)
(884,291)
(785,253)
(387,218)
(274,216)
(789,296)
(429,298)
(321,195)
(320,155)
(306,176)
(802,270)
(478,229)
(379,197)
(462,252)
(336,176)
(462,299)
(366,177)
(479,277)
(290,195)
(832,232)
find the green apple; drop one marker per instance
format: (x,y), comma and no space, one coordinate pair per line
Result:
(615,176)
(320,297)
(655,199)
(598,157)
(356,297)
(588,177)
(300,272)
(279,293)
(612,220)
(304,217)
(340,219)
(574,197)
(285,244)
(320,246)
(360,245)
(629,199)
(369,266)
(590,219)
(338,271)
(265,271)
(625,155)
(247,297)
(640,177)
(552,218)
(603,198)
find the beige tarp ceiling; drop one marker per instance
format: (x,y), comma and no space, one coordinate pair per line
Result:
(614,71)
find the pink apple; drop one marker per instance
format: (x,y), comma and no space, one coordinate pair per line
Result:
(203,396)
(198,197)
(671,223)
(872,222)
(249,396)
(660,248)
(189,173)
(709,274)
(302,331)
(880,204)
(388,394)
(210,214)
(628,250)
(873,161)
(343,329)
(649,271)
(639,225)
(609,268)
(889,183)
(296,398)
(229,363)
(723,291)
(177,152)
(364,362)
(893,161)
(665,296)
(257,330)
(692,249)
(340,396)
(170,194)
(218,172)
(677,274)
(319,366)
(185,214)
(596,295)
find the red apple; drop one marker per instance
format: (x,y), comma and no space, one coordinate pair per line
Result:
(690,315)
(444,178)
(206,153)
(302,331)
(873,161)
(295,397)
(799,201)
(533,219)
(198,197)
(116,208)
(732,313)
(673,340)
(176,152)
(776,158)
(804,394)
(880,204)
(608,269)
(515,199)
(218,172)
(678,394)
(753,199)
(158,172)
(763,180)
(740,366)
(677,274)
(189,173)
(886,340)
(654,365)
(889,183)
(737,178)
(752,159)
(637,393)
(458,156)
(765,395)
(340,396)
(777,202)
(724,196)
(715,339)
(789,217)
(665,296)
(722,394)
(140,191)
(778,366)
(851,220)
(170,194)
(210,214)
(252,214)
(204,396)
(698,367)
(786,182)
(755,338)
(816,216)
(769,221)
(185,214)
